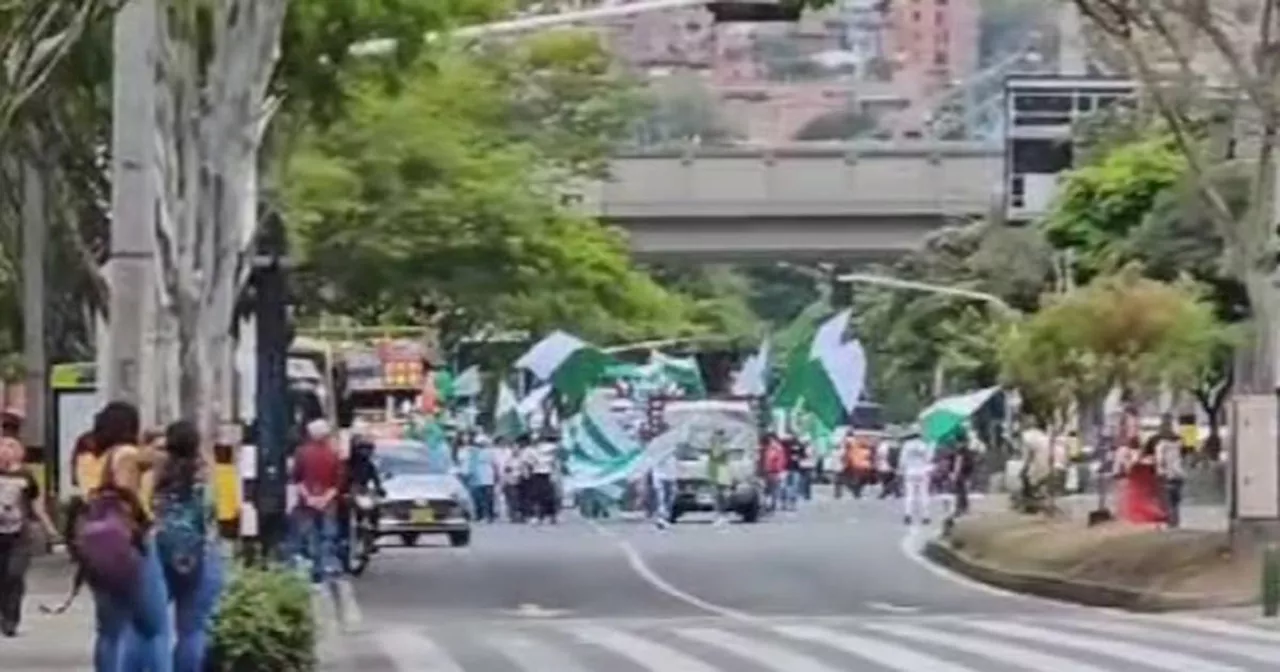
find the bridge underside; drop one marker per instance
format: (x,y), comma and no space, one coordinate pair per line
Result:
(732,239)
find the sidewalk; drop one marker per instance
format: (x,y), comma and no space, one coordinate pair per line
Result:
(64,642)
(1206,517)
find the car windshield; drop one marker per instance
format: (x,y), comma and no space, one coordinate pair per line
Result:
(409,458)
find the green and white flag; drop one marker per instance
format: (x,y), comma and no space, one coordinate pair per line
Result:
(827,378)
(508,423)
(753,378)
(468,384)
(683,372)
(946,416)
(571,365)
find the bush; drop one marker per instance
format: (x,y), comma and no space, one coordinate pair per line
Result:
(264,622)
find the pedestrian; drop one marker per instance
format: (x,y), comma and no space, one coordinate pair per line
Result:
(916,461)
(21,504)
(482,465)
(512,467)
(1171,467)
(775,474)
(719,474)
(115,545)
(185,520)
(887,453)
(318,473)
(663,477)
(542,469)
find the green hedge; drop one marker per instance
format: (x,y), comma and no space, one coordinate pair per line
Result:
(264,622)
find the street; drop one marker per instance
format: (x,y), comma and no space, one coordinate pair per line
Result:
(834,587)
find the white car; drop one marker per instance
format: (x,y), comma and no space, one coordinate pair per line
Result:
(423,494)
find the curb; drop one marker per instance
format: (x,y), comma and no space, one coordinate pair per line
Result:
(1077,591)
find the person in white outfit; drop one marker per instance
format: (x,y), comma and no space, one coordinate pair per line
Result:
(915,463)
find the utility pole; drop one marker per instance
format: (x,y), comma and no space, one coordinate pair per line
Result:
(134,192)
(34,236)
(271,316)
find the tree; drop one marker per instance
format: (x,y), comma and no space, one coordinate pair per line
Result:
(846,124)
(35,36)
(680,109)
(921,345)
(1175,48)
(1100,203)
(427,197)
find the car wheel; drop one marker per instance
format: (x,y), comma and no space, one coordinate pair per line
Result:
(409,539)
(460,539)
(750,511)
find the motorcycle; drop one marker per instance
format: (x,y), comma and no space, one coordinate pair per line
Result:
(362,535)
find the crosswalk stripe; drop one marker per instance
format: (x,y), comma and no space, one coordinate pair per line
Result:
(891,656)
(763,654)
(1217,627)
(409,650)
(650,655)
(1109,646)
(531,655)
(1266,654)
(1017,656)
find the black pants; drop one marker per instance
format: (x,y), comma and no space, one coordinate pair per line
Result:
(15,558)
(542,496)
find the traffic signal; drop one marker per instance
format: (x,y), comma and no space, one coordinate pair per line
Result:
(756,11)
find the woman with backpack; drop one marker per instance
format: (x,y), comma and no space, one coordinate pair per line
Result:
(184,522)
(115,545)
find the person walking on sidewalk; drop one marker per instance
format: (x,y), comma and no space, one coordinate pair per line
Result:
(185,521)
(317,469)
(1171,467)
(20,505)
(116,547)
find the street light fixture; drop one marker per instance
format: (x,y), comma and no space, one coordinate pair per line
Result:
(898,283)
(755,11)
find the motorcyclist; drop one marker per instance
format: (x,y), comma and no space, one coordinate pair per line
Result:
(362,479)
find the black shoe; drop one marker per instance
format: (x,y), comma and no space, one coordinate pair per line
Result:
(927,521)
(906,519)
(9,629)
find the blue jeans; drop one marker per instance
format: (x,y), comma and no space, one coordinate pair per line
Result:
(317,531)
(790,489)
(135,636)
(664,495)
(193,607)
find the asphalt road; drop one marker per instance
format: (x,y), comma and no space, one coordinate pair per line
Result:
(834,587)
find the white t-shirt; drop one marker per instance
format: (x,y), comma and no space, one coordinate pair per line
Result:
(916,458)
(665,469)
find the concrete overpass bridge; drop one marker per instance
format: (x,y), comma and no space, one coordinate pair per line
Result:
(802,202)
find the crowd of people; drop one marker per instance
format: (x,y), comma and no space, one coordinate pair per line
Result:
(142,533)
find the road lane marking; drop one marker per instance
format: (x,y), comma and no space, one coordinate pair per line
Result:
(1103,646)
(531,655)
(413,651)
(1252,651)
(762,654)
(885,654)
(1020,657)
(647,654)
(646,573)
(892,608)
(1212,626)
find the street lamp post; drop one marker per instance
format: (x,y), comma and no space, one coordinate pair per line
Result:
(272,395)
(912,285)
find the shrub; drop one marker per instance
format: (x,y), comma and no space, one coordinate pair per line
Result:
(264,622)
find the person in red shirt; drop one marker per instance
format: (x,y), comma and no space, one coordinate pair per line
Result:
(318,473)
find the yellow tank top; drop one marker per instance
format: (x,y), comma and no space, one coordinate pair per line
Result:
(88,472)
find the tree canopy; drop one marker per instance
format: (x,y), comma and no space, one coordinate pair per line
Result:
(1120,331)
(429,199)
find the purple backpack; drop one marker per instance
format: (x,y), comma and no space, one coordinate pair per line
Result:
(106,539)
